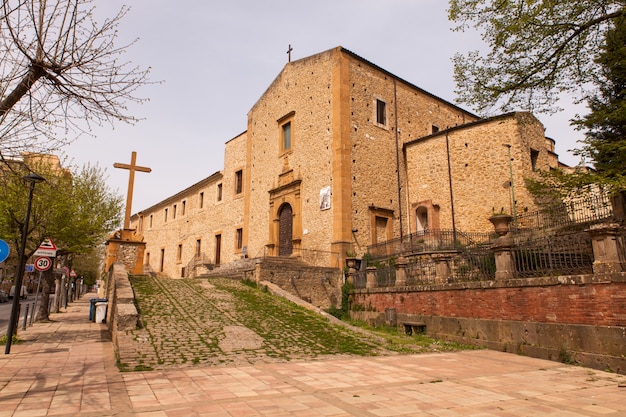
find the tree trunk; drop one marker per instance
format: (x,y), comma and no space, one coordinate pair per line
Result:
(47,281)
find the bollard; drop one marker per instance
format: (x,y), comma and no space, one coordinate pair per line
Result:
(25,317)
(32,313)
(16,320)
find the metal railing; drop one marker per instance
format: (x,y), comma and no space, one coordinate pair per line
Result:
(580,211)
(198,260)
(563,254)
(421,270)
(474,264)
(427,241)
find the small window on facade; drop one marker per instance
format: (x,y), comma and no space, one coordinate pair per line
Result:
(238,182)
(219,192)
(381,112)
(179,253)
(201,200)
(286,133)
(198,247)
(182,209)
(151,221)
(435,129)
(534,156)
(239,238)
(165,216)
(174,212)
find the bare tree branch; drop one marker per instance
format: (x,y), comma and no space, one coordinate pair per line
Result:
(60,72)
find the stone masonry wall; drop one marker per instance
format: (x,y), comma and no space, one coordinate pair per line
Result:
(320,287)
(122,315)
(303,90)
(377,149)
(479,168)
(204,216)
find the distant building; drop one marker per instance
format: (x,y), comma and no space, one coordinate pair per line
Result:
(340,154)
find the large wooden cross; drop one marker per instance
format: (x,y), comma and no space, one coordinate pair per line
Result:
(131,180)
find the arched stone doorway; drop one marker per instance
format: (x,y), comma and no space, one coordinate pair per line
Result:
(285,230)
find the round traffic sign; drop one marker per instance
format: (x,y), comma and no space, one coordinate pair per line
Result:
(4,250)
(42,263)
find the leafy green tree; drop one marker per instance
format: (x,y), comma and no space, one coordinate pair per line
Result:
(605,138)
(537,50)
(61,72)
(75,209)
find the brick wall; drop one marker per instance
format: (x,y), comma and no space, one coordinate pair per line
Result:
(582,317)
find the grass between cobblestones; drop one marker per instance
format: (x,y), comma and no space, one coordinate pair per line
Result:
(224,322)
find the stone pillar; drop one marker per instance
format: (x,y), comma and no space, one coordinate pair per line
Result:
(371,277)
(505,267)
(606,249)
(442,267)
(400,265)
(257,273)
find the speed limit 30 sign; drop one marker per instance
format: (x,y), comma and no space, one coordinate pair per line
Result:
(43,263)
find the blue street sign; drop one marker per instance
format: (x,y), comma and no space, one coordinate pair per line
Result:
(4,250)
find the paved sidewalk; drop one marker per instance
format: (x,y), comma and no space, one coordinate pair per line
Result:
(67,367)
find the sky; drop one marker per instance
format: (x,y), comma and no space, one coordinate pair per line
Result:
(212,60)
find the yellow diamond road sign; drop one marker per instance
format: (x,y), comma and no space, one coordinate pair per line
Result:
(47,248)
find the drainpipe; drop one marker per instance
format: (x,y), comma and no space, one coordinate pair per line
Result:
(450,183)
(395,104)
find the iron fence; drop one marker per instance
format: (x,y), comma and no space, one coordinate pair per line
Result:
(474,264)
(563,254)
(582,210)
(621,246)
(421,270)
(360,279)
(427,241)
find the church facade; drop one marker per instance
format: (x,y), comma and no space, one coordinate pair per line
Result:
(340,154)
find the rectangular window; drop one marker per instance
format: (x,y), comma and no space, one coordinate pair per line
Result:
(151,221)
(239,238)
(198,248)
(286,136)
(219,192)
(238,182)
(201,200)
(183,208)
(381,112)
(534,156)
(162,260)
(165,216)
(174,212)
(179,253)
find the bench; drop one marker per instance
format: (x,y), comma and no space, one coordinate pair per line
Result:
(416,327)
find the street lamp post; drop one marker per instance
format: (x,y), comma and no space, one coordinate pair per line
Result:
(32,179)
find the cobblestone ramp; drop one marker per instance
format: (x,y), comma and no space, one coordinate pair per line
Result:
(224,322)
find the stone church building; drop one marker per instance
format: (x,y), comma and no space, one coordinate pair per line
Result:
(340,154)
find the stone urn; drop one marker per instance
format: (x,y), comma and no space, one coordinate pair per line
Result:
(501,223)
(353,263)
